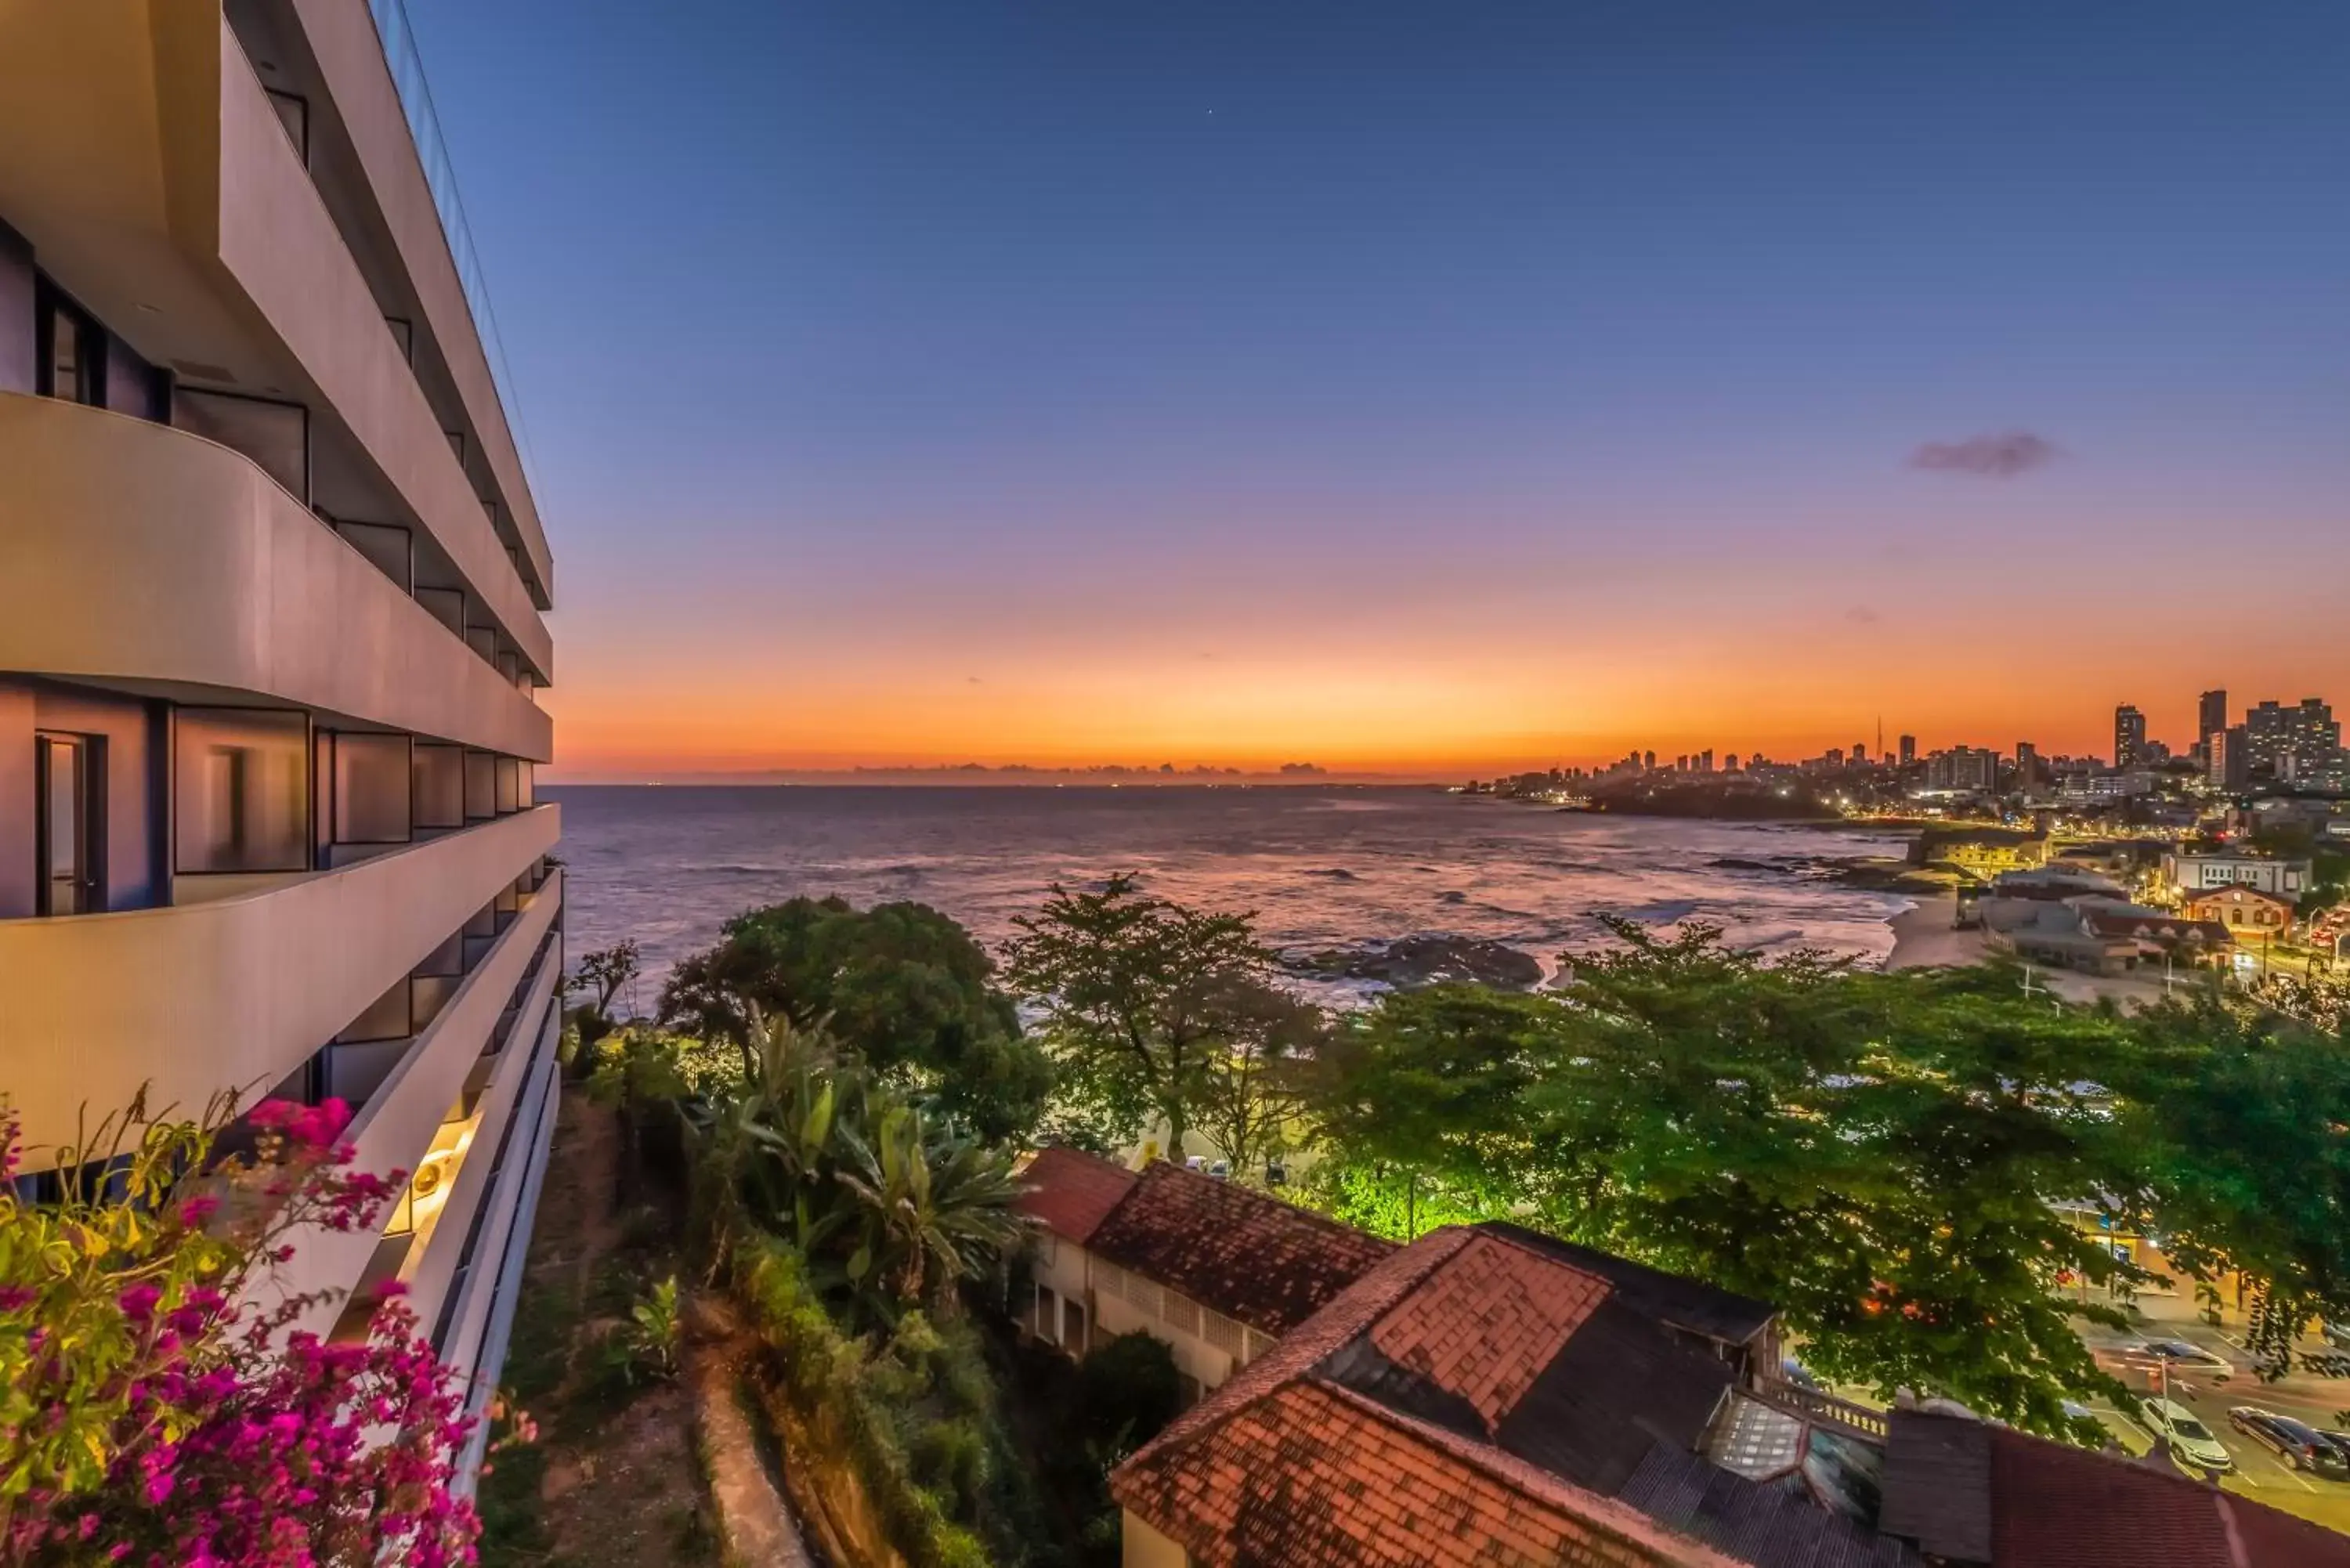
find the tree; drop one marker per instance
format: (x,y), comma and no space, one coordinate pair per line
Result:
(2244,1115)
(601,976)
(900,985)
(1139,996)
(881,1200)
(1252,1092)
(1875,1154)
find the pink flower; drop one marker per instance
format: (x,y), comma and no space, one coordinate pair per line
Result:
(138,1303)
(198,1209)
(270,1114)
(391,1288)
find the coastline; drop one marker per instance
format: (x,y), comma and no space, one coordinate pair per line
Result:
(1925,937)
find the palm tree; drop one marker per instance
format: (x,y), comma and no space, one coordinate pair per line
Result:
(938,1203)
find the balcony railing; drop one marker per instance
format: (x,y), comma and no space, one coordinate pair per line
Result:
(407,65)
(1822,1409)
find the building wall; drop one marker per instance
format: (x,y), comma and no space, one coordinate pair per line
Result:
(1208,1347)
(1143,1547)
(2191,874)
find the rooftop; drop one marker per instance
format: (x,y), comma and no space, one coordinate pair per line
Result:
(1070,1192)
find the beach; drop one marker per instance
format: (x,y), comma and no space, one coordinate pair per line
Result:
(1925,935)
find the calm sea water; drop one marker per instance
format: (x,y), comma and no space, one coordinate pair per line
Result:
(1321,866)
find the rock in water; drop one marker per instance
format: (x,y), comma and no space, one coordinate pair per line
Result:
(1410,962)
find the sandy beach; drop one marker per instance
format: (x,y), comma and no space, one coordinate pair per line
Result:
(1924,936)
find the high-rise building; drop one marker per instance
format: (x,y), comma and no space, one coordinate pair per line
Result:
(1909,750)
(272,581)
(2210,714)
(2129,738)
(2301,744)
(2027,764)
(1859,752)
(2228,764)
(1705,761)
(1963,768)
(1648,759)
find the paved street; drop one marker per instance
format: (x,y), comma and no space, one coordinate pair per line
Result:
(2319,1400)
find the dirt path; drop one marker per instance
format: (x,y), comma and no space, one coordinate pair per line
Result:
(614,1479)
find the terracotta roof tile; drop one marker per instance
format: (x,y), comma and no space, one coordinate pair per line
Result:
(1488,1322)
(1268,1264)
(1309,1476)
(1070,1192)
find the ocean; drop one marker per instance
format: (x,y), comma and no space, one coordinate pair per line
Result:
(1322,867)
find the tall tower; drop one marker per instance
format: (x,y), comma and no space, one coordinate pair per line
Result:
(272,581)
(2129,737)
(2210,714)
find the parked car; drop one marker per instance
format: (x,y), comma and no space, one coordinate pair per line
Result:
(2185,1357)
(2190,1438)
(2297,1443)
(2337,1334)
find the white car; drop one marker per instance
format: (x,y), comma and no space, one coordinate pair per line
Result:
(2184,1357)
(2191,1439)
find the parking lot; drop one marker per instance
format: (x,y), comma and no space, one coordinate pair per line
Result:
(2321,1401)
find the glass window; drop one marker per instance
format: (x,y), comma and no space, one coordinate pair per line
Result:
(67,779)
(373,780)
(240,790)
(71,352)
(509,782)
(481,786)
(525,785)
(438,793)
(274,435)
(385,1019)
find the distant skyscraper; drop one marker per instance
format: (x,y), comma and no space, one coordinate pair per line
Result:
(2230,765)
(1859,752)
(2303,742)
(1909,750)
(1835,756)
(1963,768)
(1705,761)
(1648,759)
(2027,764)
(2210,714)
(2129,737)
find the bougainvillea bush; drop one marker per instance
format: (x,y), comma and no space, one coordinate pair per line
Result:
(157,1407)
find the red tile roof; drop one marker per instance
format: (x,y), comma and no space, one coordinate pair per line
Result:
(1070,1192)
(2054,1506)
(1311,1476)
(1284,1466)
(1269,1264)
(1488,1322)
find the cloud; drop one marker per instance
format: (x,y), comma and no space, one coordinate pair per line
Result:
(1861,615)
(2001,456)
(974,680)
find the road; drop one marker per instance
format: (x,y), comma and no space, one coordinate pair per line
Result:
(2319,1400)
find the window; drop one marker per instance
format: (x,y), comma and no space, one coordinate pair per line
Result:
(240,790)
(481,786)
(373,782)
(68,780)
(1048,1315)
(273,434)
(70,350)
(1073,1328)
(439,789)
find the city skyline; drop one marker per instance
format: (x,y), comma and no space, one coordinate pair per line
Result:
(1233,386)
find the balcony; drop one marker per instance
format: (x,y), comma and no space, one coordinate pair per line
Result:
(136,554)
(242,989)
(154,177)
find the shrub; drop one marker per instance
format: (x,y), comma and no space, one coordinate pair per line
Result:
(1128,1388)
(147,1415)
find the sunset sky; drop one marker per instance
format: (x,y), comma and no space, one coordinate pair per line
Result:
(1423,389)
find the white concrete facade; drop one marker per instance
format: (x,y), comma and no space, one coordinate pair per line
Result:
(272,586)
(1082,1300)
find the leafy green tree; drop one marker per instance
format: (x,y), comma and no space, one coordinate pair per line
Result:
(2244,1115)
(903,986)
(1143,1000)
(601,976)
(1251,1097)
(1128,1388)
(884,1203)
(1876,1154)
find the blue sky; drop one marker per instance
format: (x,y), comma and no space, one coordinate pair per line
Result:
(1420,382)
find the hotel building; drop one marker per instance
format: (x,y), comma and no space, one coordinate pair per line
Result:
(271,589)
